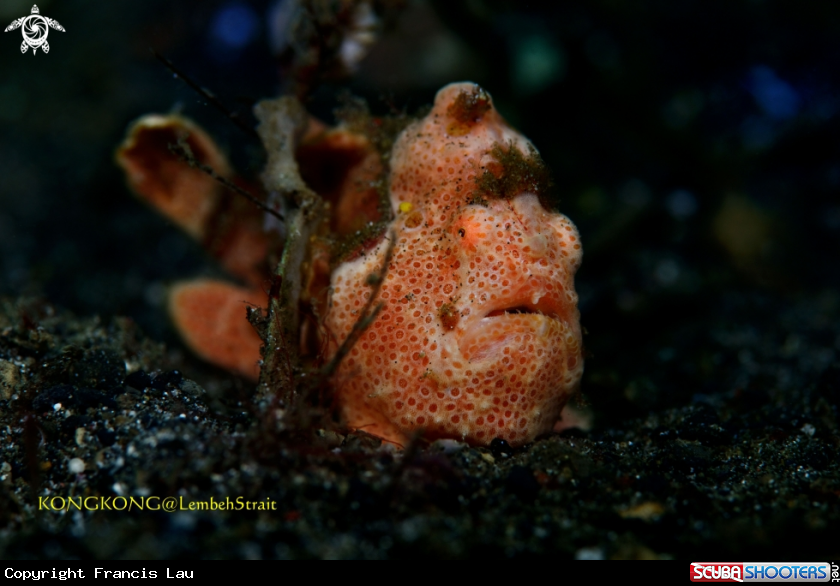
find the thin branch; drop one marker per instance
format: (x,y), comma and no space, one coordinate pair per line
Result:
(210,96)
(368,314)
(184,152)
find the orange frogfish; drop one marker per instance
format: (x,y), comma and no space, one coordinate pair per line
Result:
(478,336)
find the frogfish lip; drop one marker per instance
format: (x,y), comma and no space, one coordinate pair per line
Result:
(540,301)
(505,321)
(526,309)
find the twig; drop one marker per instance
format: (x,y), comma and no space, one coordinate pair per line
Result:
(183,150)
(210,96)
(368,315)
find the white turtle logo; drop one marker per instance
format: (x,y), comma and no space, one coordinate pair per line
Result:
(35,30)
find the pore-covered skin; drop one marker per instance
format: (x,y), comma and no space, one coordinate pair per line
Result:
(479,337)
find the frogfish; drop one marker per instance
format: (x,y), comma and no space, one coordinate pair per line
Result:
(478,335)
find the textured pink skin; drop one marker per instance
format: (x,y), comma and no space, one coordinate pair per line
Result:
(443,356)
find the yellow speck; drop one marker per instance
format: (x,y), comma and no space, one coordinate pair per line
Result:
(405,207)
(646,511)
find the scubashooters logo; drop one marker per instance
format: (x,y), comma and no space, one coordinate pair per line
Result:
(760,572)
(35,29)
(701,572)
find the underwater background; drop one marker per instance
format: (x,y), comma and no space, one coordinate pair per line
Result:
(696,145)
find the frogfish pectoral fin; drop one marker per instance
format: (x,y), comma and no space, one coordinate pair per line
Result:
(211,318)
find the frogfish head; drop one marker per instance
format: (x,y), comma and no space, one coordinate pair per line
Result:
(479,337)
